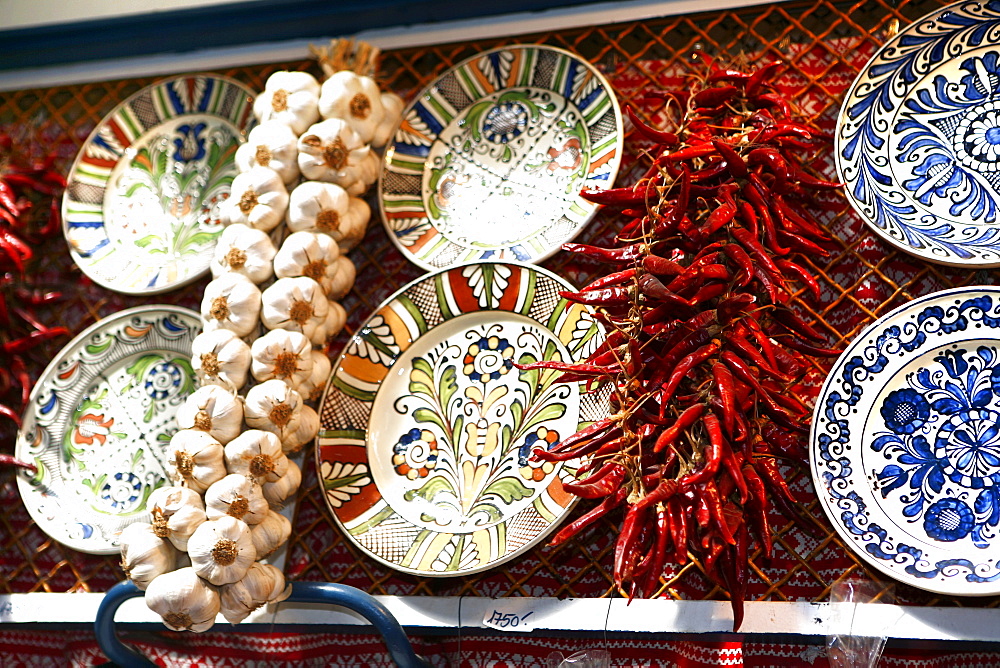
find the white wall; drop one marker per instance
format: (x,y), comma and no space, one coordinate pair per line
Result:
(27,13)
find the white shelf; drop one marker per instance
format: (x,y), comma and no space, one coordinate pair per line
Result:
(570,615)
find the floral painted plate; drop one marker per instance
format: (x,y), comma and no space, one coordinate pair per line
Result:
(905,445)
(918,139)
(489,160)
(99,420)
(427,427)
(141,209)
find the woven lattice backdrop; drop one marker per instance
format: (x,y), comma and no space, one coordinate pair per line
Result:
(823,46)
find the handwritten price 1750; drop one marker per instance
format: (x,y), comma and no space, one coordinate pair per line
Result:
(509,620)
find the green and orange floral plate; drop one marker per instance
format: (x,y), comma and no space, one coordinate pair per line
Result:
(427,425)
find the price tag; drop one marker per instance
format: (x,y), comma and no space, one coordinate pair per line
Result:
(502,620)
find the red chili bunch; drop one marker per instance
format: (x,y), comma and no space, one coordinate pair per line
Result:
(703,344)
(29,213)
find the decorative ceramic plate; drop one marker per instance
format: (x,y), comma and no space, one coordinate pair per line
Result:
(98,422)
(906,443)
(918,139)
(489,160)
(141,209)
(427,427)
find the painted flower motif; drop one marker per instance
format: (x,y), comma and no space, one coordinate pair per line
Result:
(415,454)
(91,427)
(532,469)
(448,560)
(505,122)
(970,441)
(122,492)
(488,359)
(905,411)
(948,520)
(568,157)
(163,379)
(983,138)
(343,480)
(190,145)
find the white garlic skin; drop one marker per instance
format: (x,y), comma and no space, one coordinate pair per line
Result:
(184,600)
(289,97)
(262,584)
(331,151)
(222,550)
(257,453)
(392,105)
(296,304)
(231,301)
(270,534)
(282,354)
(258,199)
(237,496)
(313,387)
(279,491)
(309,254)
(354,98)
(195,459)
(177,511)
(273,400)
(244,250)
(343,279)
(303,433)
(221,358)
(144,555)
(212,409)
(274,145)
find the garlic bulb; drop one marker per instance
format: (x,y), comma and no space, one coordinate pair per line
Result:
(195,459)
(213,409)
(291,98)
(331,151)
(312,387)
(392,105)
(262,584)
(308,254)
(257,453)
(343,279)
(145,555)
(274,145)
(296,304)
(222,550)
(177,512)
(283,355)
(306,431)
(220,358)
(317,205)
(367,175)
(283,488)
(274,407)
(355,224)
(258,199)
(237,496)
(184,600)
(355,99)
(336,317)
(231,302)
(270,534)
(244,250)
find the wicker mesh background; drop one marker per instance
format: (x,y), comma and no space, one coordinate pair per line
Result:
(824,45)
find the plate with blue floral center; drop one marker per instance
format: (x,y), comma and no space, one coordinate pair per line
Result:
(427,425)
(99,421)
(905,443)
(918,138)
(489,160)
(141,212)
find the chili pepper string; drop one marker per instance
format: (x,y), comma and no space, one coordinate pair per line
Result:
(704,342)
(30,187)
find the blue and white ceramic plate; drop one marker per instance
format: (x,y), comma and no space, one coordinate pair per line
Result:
(98,423)
(141,211)
(905,446)
(918,139)
(489,160)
